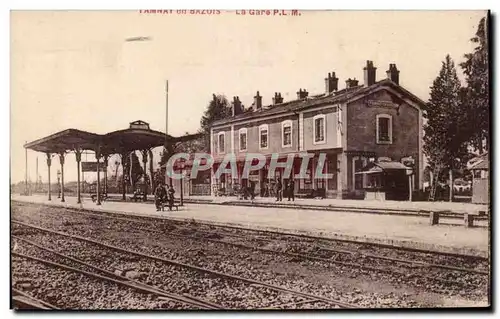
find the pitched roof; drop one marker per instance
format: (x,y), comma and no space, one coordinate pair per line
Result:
(479,162)
(378,167)
(317,100)
(483,164)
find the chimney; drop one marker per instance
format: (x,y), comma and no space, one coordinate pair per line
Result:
(236,107)
(369,72)
(277,99)
(393,73)
(257,102)
(302,94)
(350,83)
(331,83)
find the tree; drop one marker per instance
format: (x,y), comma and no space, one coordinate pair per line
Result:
(133,175)
(477,91)
(151,170)
(447,129)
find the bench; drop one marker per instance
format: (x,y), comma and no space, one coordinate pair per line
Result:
(103,197)
(310,193)
(137,196)
(468,217)
(165,204)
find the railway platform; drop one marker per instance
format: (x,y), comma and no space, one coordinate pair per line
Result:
(449,236)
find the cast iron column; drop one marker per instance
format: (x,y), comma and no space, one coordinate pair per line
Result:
(49,162)
(145,162)
(98,190)
(123,159)
(78,155)
(61,160)
(105,162)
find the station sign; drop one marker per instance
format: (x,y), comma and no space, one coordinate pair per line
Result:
(382,104)
(92,167)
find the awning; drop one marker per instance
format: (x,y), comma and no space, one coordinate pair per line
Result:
(481,165)
(379,167)
(373,170)
(137,137)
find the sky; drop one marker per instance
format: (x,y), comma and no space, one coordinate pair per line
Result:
(75,69)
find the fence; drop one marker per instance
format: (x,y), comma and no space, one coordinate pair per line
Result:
(199,190)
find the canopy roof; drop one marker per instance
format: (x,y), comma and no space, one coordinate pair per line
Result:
(137,137)
(481,162)
(379,167)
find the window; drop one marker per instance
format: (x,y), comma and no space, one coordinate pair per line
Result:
(221,142)
(263,136)
(319,129)
(384,129)
(286,133)
(243,139)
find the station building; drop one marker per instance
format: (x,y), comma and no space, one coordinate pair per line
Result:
(353,126)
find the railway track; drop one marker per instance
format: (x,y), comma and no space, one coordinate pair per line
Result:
(127,253)
(72,288)
(209,236)
(411,271)
(321,244)
(103,274)
(357,246)
(23,301)
(418,279)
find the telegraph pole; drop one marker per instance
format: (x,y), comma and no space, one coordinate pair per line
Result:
(36,177)
(166,132)
(26,170)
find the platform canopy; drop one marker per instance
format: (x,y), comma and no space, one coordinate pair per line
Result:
(138,136)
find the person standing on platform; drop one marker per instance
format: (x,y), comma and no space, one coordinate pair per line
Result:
(170,196)
(291,189)
(252,190)
(160,195)
(279,190)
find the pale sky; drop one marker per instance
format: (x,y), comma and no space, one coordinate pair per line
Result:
(74,69)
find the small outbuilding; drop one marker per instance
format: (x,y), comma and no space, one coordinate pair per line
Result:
(387,180)
(480,168)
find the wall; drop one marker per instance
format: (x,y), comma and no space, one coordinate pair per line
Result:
(361,129)
(331,122)
(274,136)
(227,140)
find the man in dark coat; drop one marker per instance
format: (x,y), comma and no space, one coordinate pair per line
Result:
(252,190)
(291,189)
(170,196)
(279,190)
(160,195)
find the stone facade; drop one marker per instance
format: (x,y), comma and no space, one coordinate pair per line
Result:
(358,124)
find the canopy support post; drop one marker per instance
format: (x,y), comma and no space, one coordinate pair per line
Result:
(123,157)
(49,162)
(98,190)
(145,162)
(61,160)
(78,155)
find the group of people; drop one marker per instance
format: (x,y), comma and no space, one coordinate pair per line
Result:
(289,190)
(249,191)
(164,194)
